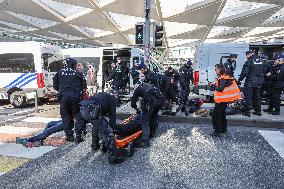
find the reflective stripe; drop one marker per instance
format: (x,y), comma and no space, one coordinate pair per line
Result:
(231,88)
(227,96)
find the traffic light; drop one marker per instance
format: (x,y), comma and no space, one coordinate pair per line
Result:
(158,35)
(139,34)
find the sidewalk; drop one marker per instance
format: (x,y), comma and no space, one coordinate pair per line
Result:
(264,121)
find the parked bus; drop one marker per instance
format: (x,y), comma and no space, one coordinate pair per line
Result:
(26,68)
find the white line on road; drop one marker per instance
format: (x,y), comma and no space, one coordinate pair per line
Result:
(40,119)
(19,130)
(275,139)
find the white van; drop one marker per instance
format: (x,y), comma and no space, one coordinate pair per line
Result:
(209,54)
(26,67)
(102,57)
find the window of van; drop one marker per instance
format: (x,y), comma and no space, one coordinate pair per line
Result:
(17,63)
(52,62)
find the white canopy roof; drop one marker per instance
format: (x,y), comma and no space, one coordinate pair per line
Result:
(100,22)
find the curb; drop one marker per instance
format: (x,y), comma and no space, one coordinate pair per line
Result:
(208,120)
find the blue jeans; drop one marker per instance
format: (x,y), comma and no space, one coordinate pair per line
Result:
(51,127)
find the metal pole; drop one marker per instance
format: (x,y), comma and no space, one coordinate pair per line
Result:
(147,32)
(36,102)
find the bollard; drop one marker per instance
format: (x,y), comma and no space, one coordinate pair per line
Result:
(36,102)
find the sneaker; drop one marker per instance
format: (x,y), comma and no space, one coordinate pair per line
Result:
(22,141)
(257,113)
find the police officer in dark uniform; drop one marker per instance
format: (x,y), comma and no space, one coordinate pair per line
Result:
(164,84)
(186,77)
(254,71)
(149,76)
(230,65)
(134,71)
(94,110)
(277,83)
(117,76)
(173,88)
(150,105)
(71,85)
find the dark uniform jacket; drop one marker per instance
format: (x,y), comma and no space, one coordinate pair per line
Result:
(230,68)
(134,71)
(163,82)
(254,71)
(277,76)
(69,82)
(108,105)
(186,75)
(151,78)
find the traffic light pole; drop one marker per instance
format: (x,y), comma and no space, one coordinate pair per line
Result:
(147,32)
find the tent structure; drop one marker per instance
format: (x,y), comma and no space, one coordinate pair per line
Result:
(101,22)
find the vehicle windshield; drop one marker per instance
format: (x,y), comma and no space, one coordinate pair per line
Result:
(17,63)
(52,62)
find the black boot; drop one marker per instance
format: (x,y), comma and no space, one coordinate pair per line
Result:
(70,138)
(216,133)
(275,112)
(257,113)
(268,110)
(95,145)
(247,113)
(79,139)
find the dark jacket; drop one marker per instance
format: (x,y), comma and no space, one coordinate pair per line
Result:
(186,75)
(174,75)
(151,78)
(134,71)
(69,82)
(254,71)
(163,82)
(229,67)
(108,105)
(145,91)
(277,77)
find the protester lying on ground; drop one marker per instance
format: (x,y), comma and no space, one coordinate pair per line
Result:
(51,128)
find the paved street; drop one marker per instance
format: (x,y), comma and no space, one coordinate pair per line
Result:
(181,156)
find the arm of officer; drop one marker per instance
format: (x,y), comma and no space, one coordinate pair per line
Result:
(244,72)
(56,82)
(134,98)
(222,84)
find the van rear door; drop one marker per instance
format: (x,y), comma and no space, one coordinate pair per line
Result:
(51,64)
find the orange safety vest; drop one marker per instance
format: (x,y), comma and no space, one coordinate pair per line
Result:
(229,94)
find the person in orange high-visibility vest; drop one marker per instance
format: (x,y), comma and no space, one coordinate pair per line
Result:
(226,90)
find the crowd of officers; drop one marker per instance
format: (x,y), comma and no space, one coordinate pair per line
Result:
(257,72)
(158,92)
(152,88)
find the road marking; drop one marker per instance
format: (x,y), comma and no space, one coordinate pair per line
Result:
(21,112)
(40,119)
(19,130)
(275,139)
(17,150)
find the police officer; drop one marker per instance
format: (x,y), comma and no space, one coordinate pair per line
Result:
(164,85)
(117,76)
(134,71)
(230,65)
(173,88)
(253,70)
(277,83)
(147,75)
(150,105)
(94,110)
(186,77)
(70,85)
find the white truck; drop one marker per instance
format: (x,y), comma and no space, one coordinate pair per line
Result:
(27,68)
(209,54)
